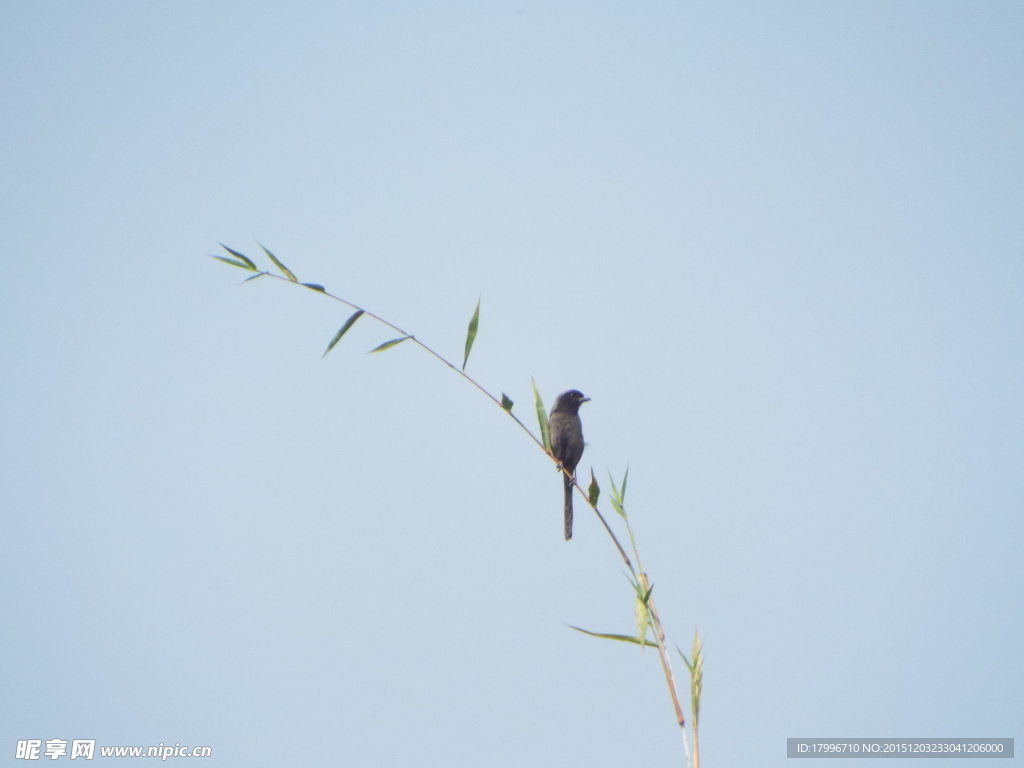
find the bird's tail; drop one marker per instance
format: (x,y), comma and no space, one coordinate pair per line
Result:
(568,506)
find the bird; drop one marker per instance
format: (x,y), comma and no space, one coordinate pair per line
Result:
(565,431)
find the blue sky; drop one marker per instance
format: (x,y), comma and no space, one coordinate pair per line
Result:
(779,244)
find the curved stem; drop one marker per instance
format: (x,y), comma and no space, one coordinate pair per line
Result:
(659,632)
(472,381)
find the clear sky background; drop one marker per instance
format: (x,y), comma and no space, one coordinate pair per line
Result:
(779,244)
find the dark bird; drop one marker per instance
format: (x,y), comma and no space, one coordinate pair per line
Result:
(566,433)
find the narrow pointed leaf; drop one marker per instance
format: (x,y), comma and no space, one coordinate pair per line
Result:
(615,488)
(696,676)
(617,506)
(389,344)
(258,274)
(316,287)
(594,491)
(542,418)
(240,257)
(232,262)
(284,270)
(608,636)
(686,661)
(647,597)
(471,333)
(506,402)
(625,477)
(341,331)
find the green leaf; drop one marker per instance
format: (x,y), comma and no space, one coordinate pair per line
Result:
(696,668)
(471,333)
(542,418)
(625,477)
(389,344)
(594,492)
(316,287)
(617,504)
(287,272)
(258,274)
(619,638)
(643,594)
(241,257)
(506,402)
(686,661)
(232,262)
(341,332)
(698,654)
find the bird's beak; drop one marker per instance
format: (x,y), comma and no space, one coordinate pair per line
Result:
(585,399)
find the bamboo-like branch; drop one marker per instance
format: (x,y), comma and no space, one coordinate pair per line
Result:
(659,633)
(659,637)
(497,401)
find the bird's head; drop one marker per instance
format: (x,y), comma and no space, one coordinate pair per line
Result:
(570,401)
